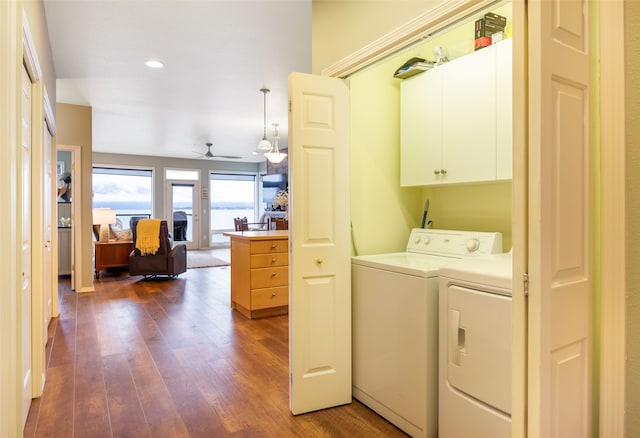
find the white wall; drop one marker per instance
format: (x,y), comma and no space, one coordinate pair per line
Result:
(341,27)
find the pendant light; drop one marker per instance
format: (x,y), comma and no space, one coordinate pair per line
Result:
(264,144)
(274,155)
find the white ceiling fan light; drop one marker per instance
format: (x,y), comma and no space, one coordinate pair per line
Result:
(264,144)
(274,155)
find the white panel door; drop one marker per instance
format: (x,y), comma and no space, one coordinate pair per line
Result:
(25,240)
(560,210)
(319,248)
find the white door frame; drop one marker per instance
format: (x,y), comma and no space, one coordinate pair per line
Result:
(10,387)
(76,216)
(519,211)
(26,250)
(613,283)
(51,126)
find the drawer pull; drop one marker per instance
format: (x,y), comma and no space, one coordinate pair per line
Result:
(273,294)
(273,246)
(319,261)
(273,260)
(273,274)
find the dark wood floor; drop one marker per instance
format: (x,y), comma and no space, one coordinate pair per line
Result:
(169,358)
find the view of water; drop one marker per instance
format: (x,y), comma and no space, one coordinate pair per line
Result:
(221,221)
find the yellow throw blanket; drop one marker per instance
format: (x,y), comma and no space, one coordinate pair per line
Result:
(148,236)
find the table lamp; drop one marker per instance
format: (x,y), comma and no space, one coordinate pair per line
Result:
(104,217)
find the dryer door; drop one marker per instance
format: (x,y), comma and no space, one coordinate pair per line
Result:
(479,345)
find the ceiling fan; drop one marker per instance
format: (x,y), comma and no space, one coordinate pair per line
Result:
(210,155)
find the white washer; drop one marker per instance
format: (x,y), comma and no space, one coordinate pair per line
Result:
(395,325)
(475,348)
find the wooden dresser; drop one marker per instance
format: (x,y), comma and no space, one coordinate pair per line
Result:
(260,272)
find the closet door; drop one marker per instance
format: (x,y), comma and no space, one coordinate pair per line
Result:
(561,233)
(319,245)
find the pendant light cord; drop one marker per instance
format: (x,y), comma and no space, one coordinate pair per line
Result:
(264,112)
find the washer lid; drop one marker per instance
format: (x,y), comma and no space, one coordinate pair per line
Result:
(492,270)
(420,265)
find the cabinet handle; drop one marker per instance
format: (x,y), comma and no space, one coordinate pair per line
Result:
(319,261)
(436,172)
(443,171)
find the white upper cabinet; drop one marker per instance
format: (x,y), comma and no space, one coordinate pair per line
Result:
(504,110)
(421,128)
(469,118)
(455,120)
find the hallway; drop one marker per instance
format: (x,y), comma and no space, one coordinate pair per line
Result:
(170,358)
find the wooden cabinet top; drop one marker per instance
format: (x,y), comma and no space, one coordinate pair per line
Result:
(258,235)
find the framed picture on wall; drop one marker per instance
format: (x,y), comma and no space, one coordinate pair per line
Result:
(59,168)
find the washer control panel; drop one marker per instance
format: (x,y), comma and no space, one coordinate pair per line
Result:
(454,243)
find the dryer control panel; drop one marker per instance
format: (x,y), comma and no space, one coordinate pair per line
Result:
(454,243)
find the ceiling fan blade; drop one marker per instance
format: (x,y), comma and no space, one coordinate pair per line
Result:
(230,157)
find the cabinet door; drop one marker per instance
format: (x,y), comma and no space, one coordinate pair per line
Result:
(468,118)
(504,118)
(421,129)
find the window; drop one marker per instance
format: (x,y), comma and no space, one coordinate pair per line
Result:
(232,195)
(271,185)
(126,190)
(181,174)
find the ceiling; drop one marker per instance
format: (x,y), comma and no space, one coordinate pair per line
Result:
(217,56)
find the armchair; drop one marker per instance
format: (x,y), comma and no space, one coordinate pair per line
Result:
(168,260)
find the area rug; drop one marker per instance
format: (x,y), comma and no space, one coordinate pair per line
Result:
(202,258)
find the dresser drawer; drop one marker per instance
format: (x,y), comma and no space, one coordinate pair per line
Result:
(269,246)
(267,260)
(269,277)
(272,297)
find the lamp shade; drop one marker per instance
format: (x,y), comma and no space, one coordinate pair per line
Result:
(104,216)
(275,157)
(264,145)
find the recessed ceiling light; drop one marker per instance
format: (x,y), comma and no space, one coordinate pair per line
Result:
(154,64)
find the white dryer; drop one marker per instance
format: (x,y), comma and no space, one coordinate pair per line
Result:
(475,348)
(395,324)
